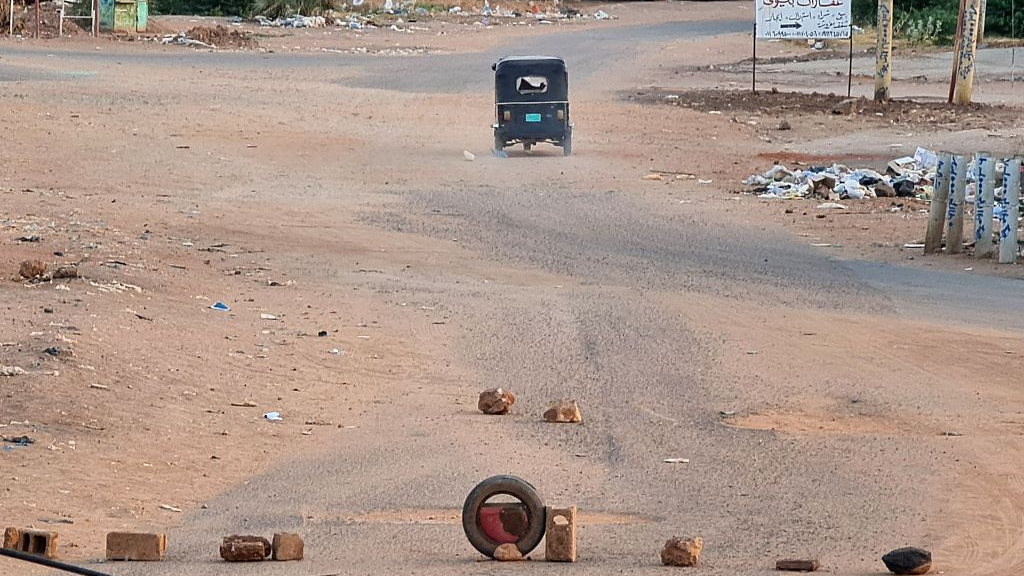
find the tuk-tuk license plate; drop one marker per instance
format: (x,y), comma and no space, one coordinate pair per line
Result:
(533,118)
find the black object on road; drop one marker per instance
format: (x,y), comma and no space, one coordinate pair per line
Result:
(531,99)
(18,555)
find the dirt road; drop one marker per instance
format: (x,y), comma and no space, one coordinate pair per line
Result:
(377,281)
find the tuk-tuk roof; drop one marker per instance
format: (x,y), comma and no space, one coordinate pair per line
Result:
(542,62)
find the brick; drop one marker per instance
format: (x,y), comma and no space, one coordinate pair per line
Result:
(35,542)
(797,565)
(132,546)
(287,547)
(244,548)
(560,536)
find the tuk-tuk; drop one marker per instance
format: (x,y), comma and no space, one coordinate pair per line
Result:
(531,97)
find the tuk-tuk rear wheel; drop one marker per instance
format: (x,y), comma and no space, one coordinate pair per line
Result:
(499,143)
(567,144)
(527,146)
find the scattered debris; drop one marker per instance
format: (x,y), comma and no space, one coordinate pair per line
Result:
(58,352)
(267,317)
(831,206)
(469,156)
(273,416)
(785,125)
(32,269)
(656,176)
(563,411)
(496,401)
(213,38)
(29,238)
(507,553)
(676,460)
(218,305)
(952,434)
(99,386)
(246,404)
(680,552)
(908,561)
(11,371)
(19,440)
(169,508)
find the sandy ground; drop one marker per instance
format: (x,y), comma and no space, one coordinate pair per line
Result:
(377,281)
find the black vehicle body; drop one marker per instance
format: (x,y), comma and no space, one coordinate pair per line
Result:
(531,97)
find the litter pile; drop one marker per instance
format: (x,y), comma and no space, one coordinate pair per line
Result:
(361,18)
(219,37)
(907,177)
(297,21)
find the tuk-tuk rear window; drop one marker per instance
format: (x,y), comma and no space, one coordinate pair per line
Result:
(532,85)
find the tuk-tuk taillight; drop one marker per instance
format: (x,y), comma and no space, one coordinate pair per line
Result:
(507,115)
(561,114)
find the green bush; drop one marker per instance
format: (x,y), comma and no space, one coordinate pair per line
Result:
(285,8)
(935,20)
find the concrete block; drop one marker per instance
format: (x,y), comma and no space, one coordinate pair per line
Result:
(287,547)
(12,536)
(35,542)
(560,536)
(132,546)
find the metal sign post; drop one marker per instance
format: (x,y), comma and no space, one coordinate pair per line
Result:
(849,73)
(753,63)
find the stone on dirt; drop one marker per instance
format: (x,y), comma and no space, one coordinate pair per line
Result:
(32,269)
(245,548)
(847,107)
(66,271)
(908,561)
(785,125)
(12,371)
(564,411)
(682,552)
(884,190)
(287,547)
(507,553)
(496,401)
(797,565)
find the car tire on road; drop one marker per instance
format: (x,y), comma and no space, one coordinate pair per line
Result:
(511,486)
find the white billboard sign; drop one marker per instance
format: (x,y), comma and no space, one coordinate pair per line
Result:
(803,18)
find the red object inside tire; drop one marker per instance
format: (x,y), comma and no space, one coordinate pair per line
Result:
(501,522)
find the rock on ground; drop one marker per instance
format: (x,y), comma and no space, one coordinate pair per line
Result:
(797,565)
(496,401)
(564,411)
(32,269)
(908,561)
(507,553)
(682,552)
(245,548)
